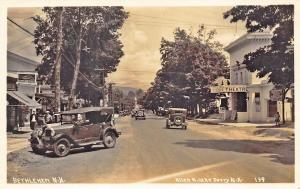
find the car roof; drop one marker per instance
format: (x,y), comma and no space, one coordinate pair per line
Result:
(178,109)
(88,109)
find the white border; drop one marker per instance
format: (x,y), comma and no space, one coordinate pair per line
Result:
(138,3)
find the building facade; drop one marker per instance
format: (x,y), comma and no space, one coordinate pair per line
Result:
(253,104)
(21,90)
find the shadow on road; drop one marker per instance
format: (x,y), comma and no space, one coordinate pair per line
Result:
(73,151)
(279,151)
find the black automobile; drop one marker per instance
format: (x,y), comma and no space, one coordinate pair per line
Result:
(177,118)
(83,127)
(140,114)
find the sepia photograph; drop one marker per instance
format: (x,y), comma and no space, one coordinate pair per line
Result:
(118,94)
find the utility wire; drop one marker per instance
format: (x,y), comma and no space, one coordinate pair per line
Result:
(28,32)
(176,20)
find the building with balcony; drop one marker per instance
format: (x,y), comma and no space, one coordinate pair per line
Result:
(21,89)
(252,101)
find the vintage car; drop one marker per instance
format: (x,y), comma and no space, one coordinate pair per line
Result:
(83,127)
(177,117)
(140,114)
(133,112)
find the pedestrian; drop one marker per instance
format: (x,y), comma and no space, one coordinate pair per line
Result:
(277,119)
(33,120)
(48,117)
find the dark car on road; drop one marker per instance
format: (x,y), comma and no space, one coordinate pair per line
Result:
(140,114)
(177,118)
(83,127)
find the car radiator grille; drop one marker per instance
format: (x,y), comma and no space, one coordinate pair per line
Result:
(48,133)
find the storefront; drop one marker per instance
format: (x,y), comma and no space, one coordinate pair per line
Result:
(21,89)
(252,99)
(19,107)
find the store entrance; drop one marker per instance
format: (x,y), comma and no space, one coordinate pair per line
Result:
(241,100)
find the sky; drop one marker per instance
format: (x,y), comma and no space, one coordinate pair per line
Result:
(141,35)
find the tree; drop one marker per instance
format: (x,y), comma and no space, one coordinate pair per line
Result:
(189,66)
(139,95)
(93,31)
(276,61)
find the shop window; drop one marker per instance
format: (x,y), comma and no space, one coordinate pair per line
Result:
(241,102)
(272,108)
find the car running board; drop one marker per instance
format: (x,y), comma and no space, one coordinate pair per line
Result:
(90,143)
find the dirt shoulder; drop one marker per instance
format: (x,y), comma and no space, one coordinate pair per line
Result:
(277,143)
(249,133)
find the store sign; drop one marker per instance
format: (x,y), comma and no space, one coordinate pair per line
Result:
(26,78)
(228,89)
(276,95)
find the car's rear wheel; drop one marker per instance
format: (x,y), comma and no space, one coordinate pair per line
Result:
(109,139)
(62,147)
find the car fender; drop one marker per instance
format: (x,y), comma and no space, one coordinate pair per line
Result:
(112,130)
(62,135)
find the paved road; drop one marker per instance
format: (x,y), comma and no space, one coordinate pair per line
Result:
(147,152)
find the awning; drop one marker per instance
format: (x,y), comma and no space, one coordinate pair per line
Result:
(24,99)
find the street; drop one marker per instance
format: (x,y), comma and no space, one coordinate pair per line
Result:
(148,152)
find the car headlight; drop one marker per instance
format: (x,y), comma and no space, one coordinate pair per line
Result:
(39,132)
(52,132)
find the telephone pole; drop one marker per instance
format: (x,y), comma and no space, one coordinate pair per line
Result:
(110,94)
(102,77)
(58,60)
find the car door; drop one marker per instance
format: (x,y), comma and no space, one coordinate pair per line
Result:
(81,132)
(94,131)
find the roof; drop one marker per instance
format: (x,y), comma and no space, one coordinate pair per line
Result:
(246,37)
(24,99)
(21,58)
(88,109)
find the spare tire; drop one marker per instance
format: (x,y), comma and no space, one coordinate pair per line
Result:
(178,120)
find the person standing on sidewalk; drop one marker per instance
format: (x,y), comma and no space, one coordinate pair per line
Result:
(277,119)
(48,117)
(33,120)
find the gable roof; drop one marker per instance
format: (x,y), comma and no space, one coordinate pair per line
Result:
(246,37)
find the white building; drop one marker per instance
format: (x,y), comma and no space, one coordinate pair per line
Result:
(249,95)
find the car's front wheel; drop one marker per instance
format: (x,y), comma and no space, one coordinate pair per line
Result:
(62,147)
(109,139)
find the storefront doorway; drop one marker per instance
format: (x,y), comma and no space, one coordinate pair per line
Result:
(241,102)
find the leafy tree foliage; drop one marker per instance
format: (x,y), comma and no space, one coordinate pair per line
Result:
(189,66)
(277,59)
(100,49)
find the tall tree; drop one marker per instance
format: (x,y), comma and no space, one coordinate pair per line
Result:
(100,46)
(58,61)
(189,66)
(276,61)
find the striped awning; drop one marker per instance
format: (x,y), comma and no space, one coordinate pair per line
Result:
(21,97)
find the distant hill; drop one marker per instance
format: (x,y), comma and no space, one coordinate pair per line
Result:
(125,90)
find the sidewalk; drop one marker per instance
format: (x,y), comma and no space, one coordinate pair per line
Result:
(257,131)
(18,141)
(221,122)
